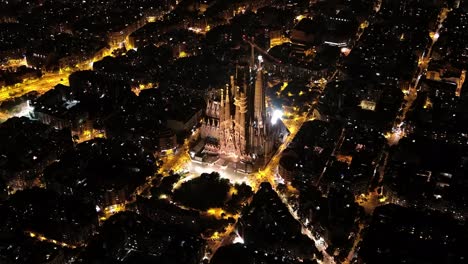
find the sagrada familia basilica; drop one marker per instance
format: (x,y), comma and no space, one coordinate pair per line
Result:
(238,124)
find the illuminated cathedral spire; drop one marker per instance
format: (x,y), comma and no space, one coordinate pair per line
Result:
(259,99)
(244,130)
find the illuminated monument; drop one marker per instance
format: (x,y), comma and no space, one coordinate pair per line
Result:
(238,125)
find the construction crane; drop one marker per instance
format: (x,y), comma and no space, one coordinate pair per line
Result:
(262,51)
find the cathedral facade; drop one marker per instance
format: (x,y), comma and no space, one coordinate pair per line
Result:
(237,123)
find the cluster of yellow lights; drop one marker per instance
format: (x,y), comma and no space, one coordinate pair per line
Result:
(88,134)
(291,189)
(145,86)
(47,81)
(200,30)
(219,213)
(364,24)
(137,89)
(300,17)
(310,52)
(275,41)
(215,236)
(427,104)
(111,210)
(365,198)
(434,35)
(40,85)
(285,84)
(53,241)
(232,190)
(383,199)
(175,162)
(14,63)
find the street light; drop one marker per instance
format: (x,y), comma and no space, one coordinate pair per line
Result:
(434,36)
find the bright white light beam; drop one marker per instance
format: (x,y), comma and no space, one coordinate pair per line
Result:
(277,114)
(238,239)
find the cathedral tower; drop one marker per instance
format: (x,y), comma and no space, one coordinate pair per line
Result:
(238,123)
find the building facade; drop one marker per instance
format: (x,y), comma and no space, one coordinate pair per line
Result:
(237,123)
